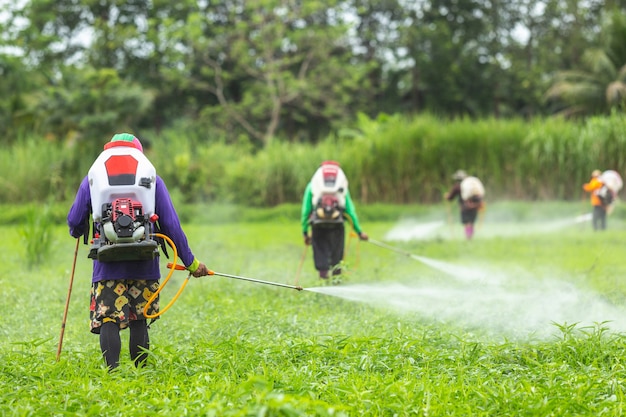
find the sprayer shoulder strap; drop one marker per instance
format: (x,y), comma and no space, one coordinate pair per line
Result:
(161,241)
(86,231)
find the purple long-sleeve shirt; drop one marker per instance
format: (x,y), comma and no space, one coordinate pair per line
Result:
(169,224)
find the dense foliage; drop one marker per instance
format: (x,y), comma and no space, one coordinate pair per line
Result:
(294,71)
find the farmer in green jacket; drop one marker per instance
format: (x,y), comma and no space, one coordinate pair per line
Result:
(325,204)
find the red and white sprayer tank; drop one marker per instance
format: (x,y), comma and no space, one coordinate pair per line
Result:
(329,179)
(122,172)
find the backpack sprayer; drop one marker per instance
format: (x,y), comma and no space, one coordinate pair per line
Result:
(329,186)
(122,190)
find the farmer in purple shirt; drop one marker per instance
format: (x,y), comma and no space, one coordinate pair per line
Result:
(120,289)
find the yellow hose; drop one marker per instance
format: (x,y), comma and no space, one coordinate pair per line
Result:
(180,290)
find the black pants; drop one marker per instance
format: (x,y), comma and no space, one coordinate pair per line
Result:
(111,344)
(328,244)
(468,215)
(598,218)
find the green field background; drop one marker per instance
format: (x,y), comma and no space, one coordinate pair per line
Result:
(234,348)
(229,347)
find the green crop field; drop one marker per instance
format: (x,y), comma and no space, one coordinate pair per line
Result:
(525,320)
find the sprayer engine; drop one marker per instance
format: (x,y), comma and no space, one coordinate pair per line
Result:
(123,220)
(328,208)
(123,234)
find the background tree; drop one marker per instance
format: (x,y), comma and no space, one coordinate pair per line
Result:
(71,45)
(18,86)
(88,105)
(598,84)
(254,71)
(375,32)
(271,65)
(457,49)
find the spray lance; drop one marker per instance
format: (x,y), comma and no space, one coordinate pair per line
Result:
(278,284)
(384,245)
(173,266)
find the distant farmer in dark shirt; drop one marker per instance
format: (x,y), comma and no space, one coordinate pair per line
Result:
(126,198)
(325,203)
(470,193)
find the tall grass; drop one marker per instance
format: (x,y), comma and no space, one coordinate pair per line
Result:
(555,143)
(37,236)
(390,159)
(33,170)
